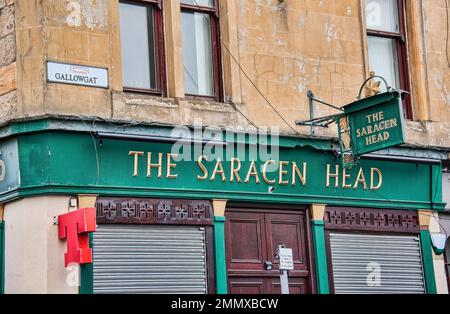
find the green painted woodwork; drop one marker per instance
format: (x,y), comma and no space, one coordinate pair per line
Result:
(436,183)
(221,263)
(87,273)
(370,102)
(66,163)
(52,156)
(320,254)
(427,260)
(2,257)
(17,128)
(383,112)
(88,125)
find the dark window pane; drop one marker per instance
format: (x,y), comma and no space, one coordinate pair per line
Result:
(197,54)
(137,28)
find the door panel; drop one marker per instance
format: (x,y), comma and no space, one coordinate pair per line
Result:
(296,286)
(288,230)
(252,238)
(244,236)
(246,286)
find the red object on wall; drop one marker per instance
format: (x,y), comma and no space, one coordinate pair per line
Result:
(75,227)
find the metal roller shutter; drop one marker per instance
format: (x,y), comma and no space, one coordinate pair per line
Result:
(398,257)
(149,259)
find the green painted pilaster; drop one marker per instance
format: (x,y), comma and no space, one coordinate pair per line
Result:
(221,263)
(320,254)
(436,183)
(87,273)
(427,260)
(2,257)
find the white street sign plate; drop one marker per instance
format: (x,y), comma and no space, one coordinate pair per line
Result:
(286,259)
(77,74)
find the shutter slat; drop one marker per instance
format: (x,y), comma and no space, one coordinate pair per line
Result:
(149,259)
(399,258)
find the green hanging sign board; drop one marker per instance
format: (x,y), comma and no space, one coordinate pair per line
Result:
(376,122)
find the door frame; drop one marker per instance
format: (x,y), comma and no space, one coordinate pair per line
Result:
(283,209)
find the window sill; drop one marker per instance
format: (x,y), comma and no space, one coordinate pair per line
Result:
(208,105)
(133,98)
(201,98)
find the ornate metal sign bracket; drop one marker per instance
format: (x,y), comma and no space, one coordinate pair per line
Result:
(374,87)
(323,122)
(371,90)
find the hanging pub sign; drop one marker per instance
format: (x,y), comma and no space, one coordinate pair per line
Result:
(371,124)
(367,125)
(375,123)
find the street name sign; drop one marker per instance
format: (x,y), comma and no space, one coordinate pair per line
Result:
(74,74)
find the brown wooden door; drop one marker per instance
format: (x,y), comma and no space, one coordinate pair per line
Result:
(252,237)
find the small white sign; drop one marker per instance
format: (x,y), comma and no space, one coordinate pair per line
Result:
(286,259)
(77,75)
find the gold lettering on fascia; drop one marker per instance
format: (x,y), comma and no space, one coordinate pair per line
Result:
(170,164)
(136,161)
(271,172)
(349,182)
(151,165)
(236,165)
(264,172)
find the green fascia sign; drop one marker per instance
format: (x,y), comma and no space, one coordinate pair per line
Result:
(376,122)
(63,162)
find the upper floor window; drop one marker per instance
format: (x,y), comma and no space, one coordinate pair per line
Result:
(386,33)
(141,35)
(201,56)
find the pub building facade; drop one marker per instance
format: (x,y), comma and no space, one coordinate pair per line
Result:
(186,208)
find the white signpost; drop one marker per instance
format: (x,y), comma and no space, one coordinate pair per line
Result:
(286,263)
(77,75)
